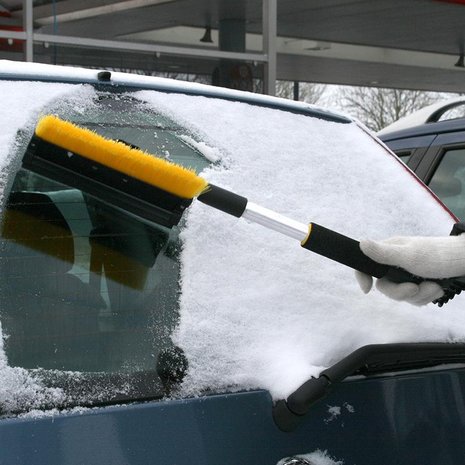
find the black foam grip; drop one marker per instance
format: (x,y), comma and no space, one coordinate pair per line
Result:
(224,200)
(342,249)
(347,251)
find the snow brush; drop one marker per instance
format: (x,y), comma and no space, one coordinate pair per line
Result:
(158,190)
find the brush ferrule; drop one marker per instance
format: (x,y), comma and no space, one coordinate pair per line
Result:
(275,221)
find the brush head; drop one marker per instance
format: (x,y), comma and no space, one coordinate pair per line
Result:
(164,175)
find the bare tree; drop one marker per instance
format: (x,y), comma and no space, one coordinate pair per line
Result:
(378,107)
(310,93)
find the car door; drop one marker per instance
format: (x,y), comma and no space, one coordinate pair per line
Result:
(411,150)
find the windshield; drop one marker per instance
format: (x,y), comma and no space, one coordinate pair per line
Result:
(97,299)
(89,292)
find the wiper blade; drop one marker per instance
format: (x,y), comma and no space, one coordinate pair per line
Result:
(368,360)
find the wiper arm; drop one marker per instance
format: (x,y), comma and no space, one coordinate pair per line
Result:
(368,360)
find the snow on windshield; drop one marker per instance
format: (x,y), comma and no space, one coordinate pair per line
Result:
(21,108)
(19,389)
(257,310)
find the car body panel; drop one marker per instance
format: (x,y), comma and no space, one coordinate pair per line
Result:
(414,418)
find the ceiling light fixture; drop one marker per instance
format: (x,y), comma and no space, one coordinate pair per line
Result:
(318,46)
(207,37)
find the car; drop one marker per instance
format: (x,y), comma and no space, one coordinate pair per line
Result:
(138,328)
(432,143)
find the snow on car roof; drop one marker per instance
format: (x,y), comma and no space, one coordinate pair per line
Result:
(16,69)
(257,310)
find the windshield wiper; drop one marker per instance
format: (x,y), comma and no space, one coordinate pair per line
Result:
(368,360)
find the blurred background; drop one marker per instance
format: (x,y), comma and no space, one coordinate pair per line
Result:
(378,60)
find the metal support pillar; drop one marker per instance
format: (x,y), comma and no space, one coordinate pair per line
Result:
(233,74)
(28,27)
(296,90)
(270,20)
(232,35)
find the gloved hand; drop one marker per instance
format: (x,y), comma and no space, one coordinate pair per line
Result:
(427,257)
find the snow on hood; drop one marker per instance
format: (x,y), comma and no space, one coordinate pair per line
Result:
(256,309)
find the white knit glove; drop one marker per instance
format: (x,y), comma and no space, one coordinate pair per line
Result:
(427,257)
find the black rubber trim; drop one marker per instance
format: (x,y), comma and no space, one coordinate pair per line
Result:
(224,200)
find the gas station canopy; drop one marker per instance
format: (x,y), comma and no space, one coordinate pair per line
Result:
(408,44)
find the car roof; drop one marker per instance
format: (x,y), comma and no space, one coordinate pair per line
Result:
(54,73)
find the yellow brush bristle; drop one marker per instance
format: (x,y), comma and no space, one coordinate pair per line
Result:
(165,175)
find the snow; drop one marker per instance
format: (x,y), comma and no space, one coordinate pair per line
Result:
(334,411)
(210,153)
(257,310)
(76,74)
(18,389)
(338,412)
(317,457)
(20,109)
(32,70)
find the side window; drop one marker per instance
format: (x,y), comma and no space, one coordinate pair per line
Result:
(448,181)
